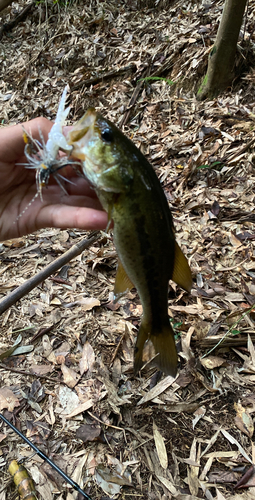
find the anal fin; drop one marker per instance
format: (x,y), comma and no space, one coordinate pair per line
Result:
(181,273)
(122,282)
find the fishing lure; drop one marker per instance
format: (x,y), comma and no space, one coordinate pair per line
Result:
(23,481)
(44,157)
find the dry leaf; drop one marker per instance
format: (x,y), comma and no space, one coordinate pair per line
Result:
(88,359)
(68,400)
(219,495)
(88,432)
(211,362)
(234,240)
(88,303)
(198,414)
(158,389)
(160,447)
(55,302)
(70,376)
(80,409)
(171,488)
(194,470)
(2,437)
(243,420)
(232,440)
(8,400)
(41,369)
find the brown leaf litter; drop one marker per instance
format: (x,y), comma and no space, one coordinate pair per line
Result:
(117,435)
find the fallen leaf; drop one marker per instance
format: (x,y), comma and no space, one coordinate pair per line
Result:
(70,376)
(55,302)
(88,432)
(8,400)
(248,479)
(88,358)
(219,495)
(41,369)
(211,362)
(2,437)
(170,486)
(199,413)
(68,400)
(88,303)
(80,409)
(158,389)
(243,420)
(235,242)
(232,440)
(160,447)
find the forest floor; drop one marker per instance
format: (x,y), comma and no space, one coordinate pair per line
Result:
(75,394)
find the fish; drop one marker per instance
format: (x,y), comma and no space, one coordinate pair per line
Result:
(143,232)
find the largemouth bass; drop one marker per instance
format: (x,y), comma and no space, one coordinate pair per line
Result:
(143,233)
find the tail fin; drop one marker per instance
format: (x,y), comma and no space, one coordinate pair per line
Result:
(164,347)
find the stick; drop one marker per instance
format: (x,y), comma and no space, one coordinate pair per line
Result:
(241,151)
(7,368)
(103,76)
(26,287)
(134,97)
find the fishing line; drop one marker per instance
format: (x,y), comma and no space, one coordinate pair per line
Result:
(46,459)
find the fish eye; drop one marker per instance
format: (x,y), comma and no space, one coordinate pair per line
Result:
(107,135)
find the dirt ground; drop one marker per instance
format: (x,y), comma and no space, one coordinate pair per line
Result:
(72,390)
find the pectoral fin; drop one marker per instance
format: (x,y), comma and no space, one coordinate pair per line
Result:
(181,273)
(122,282)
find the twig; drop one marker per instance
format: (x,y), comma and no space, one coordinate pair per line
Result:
(28,374)
(229,331)
(104,423)
(117,348)
(26,287)
(43,331)
(241,151)
(103,76)
(134,97)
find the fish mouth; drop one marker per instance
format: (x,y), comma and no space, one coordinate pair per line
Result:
(80,138)
(80,131)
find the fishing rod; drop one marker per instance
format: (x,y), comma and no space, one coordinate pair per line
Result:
(46,459)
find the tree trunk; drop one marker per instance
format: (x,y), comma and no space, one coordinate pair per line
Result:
(220,71)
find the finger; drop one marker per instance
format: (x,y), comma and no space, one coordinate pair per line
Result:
(63,217)
(70,201)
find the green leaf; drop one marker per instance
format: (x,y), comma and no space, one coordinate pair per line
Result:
(235,332)
(210,166)
(147,78)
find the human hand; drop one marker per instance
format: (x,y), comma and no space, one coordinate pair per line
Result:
(78,209)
